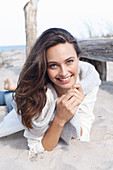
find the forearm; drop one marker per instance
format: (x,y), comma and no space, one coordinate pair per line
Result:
(66,108)
(52,136)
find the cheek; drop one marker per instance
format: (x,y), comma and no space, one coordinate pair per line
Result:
(74,69)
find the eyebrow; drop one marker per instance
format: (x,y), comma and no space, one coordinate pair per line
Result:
(64,60)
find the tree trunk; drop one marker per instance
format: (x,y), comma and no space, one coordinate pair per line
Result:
(30,11)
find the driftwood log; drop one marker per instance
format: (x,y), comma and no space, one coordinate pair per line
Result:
(30,10)
(97,52)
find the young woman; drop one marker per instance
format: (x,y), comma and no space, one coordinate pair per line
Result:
(55,94)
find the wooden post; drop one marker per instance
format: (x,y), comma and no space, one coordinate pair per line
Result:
(100,66)
(30,10)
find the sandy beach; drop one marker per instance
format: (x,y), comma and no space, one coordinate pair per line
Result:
(94,155)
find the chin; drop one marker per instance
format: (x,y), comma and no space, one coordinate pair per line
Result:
(67,86)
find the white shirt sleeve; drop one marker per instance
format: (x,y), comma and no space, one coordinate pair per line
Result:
(34,142)
(35,146)
(86,113)
(10,124)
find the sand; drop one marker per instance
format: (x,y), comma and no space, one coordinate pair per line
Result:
(94,155)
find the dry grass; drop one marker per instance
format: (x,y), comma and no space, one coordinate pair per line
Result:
(100,29)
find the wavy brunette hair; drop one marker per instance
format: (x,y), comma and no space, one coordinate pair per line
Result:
(30,94)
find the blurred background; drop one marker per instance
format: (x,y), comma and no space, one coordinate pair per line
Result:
(84,19)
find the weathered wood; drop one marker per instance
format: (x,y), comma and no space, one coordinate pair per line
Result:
(97,52)
(30,10)
(100,49)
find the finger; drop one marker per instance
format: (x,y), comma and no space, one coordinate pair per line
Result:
(64,98)
(76,93)
(68,96)
(73,107)
(79,96)
(77,102)
(77,89)
(71,100)
(77,86)
(74,101)
(77,99)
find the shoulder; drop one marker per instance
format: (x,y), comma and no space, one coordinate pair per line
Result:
(85,68)
(88,76)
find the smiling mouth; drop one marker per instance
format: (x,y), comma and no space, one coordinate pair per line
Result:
(64,79)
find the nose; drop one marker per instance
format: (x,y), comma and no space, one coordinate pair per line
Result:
(63,71)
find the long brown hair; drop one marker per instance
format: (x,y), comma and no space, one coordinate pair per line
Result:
(30,94)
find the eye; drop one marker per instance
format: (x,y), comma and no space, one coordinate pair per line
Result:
(70,61)
(52,66)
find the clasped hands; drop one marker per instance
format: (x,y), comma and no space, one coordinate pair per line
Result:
(68,103)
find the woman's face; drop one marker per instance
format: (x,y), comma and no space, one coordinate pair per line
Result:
(62,68)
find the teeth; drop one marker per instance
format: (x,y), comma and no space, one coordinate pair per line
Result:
(65,79)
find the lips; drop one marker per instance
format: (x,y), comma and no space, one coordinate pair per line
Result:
(64,80)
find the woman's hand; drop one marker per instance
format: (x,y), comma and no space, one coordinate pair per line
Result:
(78,92)
(67,104)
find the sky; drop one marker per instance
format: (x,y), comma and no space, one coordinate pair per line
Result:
(77,16)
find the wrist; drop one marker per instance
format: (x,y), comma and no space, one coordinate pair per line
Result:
(58,121)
